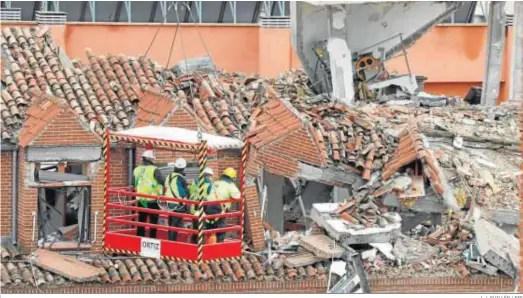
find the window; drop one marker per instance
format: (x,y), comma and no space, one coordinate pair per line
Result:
(56,172)
(64,214)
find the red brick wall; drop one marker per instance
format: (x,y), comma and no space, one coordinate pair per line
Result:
(6,205)
(254,224)
(299,145)
(281,157)
(442,285)
(118,177)
(27,204)
(97,204)
(311,286)
(180,118)
(413,285)
(65,129)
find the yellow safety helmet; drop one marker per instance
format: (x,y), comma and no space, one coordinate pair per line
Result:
(230,172)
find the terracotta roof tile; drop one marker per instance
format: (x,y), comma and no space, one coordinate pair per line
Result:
(39,115)
(412,147)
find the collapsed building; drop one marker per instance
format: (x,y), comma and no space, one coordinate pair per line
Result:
(380,179)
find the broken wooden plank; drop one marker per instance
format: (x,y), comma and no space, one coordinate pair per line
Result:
(344,207)
(416,189)
(66,266)
(69,232)
(301,259)
(322,246)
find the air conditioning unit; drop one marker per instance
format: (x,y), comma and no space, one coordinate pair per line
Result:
(51,17)
(275,22)
(10,14)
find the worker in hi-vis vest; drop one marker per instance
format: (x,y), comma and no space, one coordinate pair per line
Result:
(147,179)
(176,187)
(223,189)
(194,194)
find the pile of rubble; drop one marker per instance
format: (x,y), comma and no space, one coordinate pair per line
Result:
(404,225)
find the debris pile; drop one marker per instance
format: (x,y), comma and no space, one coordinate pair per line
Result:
(444,166)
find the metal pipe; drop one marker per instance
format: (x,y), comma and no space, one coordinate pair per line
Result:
(14,197)
(95,226)
(171,213)
(33,228)
(130,165)
(406,57)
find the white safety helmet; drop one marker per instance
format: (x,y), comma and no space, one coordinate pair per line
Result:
(208,171)
(180,163)
(149,154)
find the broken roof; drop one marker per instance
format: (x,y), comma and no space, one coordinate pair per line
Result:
(175,134)
(109,89)
(17,271)
(344,137)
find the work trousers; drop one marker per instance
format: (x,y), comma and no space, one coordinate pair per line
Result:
(153,218)
(194,237)
(175,221)
(220,223)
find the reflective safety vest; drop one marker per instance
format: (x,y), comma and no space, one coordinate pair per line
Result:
(193,191)
(146,183)
(171,189)
(224,190)
(171,185)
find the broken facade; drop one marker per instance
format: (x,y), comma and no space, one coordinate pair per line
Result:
(305,150)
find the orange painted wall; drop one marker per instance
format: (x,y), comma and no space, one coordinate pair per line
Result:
(451,57)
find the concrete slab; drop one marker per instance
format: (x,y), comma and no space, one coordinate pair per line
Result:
(301,259)
(412,221)
(485,268)
(275,200)
(66,266)
(410,251)
(322,246)
(341,231)
(503,216)
(385,249)
(431,203)
(497,247)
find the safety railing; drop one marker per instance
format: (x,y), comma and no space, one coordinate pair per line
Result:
(122,222)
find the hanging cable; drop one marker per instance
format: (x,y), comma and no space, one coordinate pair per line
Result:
(172,44)
(201,38)
(158,31)
(232,116)
(183,47)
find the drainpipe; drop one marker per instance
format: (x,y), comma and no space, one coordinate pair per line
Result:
(14,196)
(130,165)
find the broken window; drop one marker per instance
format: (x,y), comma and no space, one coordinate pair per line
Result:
(52,172)
(64,214)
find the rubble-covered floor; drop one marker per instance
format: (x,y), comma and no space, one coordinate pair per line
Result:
(475,148)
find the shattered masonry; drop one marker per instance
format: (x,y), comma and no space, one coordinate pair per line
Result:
(403,163)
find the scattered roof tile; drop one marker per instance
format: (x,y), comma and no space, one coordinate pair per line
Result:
(411,148)
(17,271)
(39,115)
